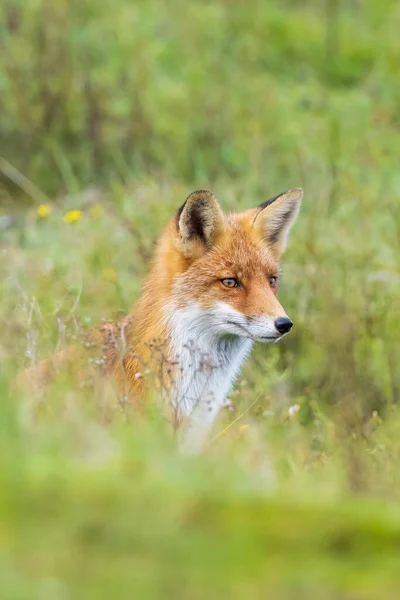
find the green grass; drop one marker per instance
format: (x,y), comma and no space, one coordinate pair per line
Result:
(120,110)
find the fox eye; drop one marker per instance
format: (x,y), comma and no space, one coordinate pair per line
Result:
(273,281)
(230,282)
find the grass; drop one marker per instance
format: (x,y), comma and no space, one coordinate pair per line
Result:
(111,114)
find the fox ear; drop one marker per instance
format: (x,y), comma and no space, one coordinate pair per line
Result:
(275,217)
(198,222)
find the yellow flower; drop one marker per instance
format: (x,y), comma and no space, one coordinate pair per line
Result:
(43,211)
(243,427)
(110,275)
(72,216)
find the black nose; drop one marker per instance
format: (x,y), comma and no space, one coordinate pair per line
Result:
(283,324)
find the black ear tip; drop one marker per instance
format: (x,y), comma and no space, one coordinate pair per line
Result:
(199,195)
(294,192)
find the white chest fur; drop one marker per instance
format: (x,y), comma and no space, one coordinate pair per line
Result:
(206,365)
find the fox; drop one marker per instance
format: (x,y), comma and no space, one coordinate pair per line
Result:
(210,294)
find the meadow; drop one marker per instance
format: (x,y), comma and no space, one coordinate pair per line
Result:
(111,114)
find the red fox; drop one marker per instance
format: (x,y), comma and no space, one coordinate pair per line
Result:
(211,292)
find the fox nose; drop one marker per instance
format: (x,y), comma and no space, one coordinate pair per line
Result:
(283,324)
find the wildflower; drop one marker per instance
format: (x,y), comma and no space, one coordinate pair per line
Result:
(268,413)
(243,427)
(292,410)
(110,275)
(72,216)
(138,376)
(227,402)
(43,211)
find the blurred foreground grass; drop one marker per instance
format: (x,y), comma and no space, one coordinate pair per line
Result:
(114,113)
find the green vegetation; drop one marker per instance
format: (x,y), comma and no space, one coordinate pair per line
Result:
(119,110)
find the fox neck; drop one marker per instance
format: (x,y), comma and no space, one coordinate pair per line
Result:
(195,364)
(206,363)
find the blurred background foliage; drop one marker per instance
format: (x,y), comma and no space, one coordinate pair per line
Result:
(197,90)
(117,110)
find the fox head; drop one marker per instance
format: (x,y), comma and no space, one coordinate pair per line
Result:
(222,271)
